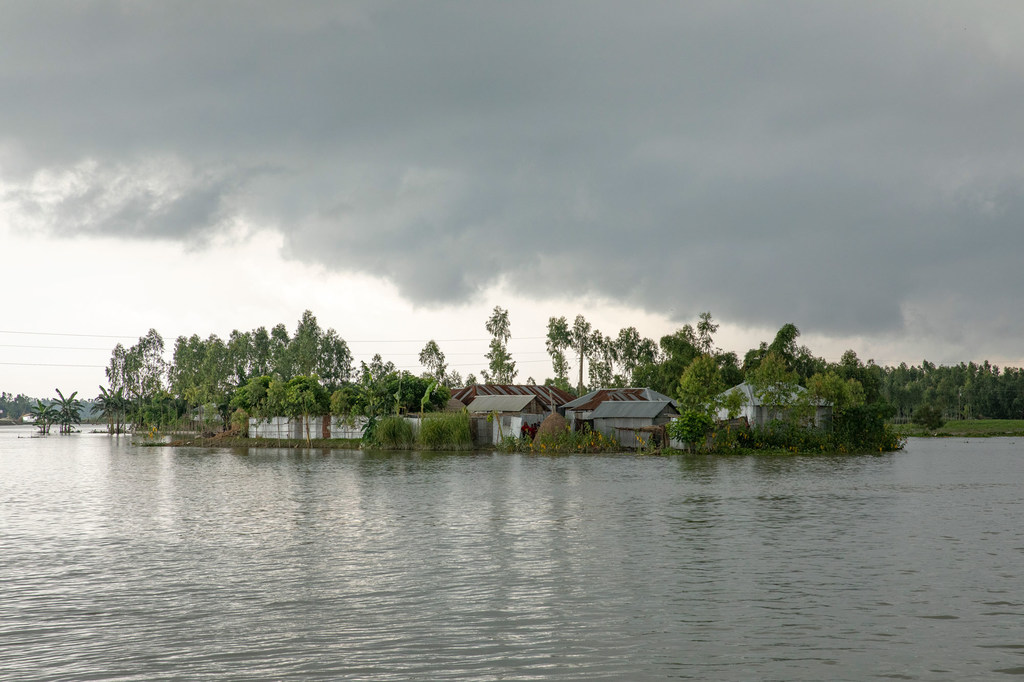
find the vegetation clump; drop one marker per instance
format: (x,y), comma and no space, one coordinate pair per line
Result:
(390,433)
(446,431)
(928,417)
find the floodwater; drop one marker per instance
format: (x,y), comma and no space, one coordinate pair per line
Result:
(120,562)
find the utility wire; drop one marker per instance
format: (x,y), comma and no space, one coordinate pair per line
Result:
(94,336)
(47,364)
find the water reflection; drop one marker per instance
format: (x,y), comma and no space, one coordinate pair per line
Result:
(180,563)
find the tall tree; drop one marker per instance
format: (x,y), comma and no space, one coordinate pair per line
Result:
(631,351)
(580,338)
(432,359)
(601,355)
(706,329)
(334,361)
(305,345)
(558,340)
(502,368)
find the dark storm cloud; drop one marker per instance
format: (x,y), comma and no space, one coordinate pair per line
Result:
(831,164)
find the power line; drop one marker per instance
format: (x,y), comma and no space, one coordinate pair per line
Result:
(15,345)
(94,336)
(48,364)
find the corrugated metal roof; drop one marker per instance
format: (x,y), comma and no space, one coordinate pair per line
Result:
(548,394)
(751,396)
(591,400)
(501,403)
(635,409)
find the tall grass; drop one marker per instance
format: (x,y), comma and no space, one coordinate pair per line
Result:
(446,431)
(393,433)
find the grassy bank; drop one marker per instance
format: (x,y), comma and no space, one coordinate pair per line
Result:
(968,428)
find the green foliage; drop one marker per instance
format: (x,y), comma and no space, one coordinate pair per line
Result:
(392,433)
(928,417)
(831,388)
(700,387)
(565,441)
(502,368)
(433,360)
(691,427)
(240,421)
(774,384)
(44,414)
(446,431)
(733,403)
(858,429)
(69,411)
(254,397)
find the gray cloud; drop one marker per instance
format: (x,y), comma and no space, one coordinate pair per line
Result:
(830,164)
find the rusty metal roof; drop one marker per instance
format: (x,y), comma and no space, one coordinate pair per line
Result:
(591,400)
(548,395)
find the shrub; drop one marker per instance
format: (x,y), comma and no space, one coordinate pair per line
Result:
(692,428)
(928,417)
(240,421)
(446,431)
(392,433)
(566,440)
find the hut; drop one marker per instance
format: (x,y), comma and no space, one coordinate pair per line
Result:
(634,423)
(579,412)
(759,414)
(506,415)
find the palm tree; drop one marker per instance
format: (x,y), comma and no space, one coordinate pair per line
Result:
(44,415)
(107,404)
(69,411)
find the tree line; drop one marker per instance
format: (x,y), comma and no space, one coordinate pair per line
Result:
(264,370)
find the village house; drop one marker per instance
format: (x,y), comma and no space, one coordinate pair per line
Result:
(758,414)
(634,423)
(579,412)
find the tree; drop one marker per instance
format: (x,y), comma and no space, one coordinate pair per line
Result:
(558,340)
(432,359)
(700,387)
(580,338)
(774,384)
(632,351)
(44,415)
(841,394)
(706,329)
(280,358)
(502,367)
(601,354)
(301,397)
(69,411)
(305,345)
(334,360)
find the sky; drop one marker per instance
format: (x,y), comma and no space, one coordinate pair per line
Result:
(399,169)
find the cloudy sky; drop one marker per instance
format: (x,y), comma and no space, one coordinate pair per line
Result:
(401,168)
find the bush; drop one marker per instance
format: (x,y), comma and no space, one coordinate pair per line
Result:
(928,417)
(566,440)
(692,428)
(240,421)
(392,433)
(446,431)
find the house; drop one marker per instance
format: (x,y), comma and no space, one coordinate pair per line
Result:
(550,396)
(579,412)
(634,423)
(759,414)
(493,417)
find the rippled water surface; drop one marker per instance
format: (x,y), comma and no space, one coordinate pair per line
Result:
(130,563)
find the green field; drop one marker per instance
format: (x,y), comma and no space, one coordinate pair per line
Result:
(976,428)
